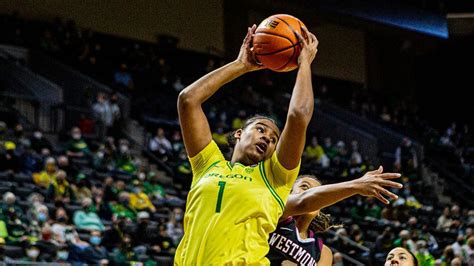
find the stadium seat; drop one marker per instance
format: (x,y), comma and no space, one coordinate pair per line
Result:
(14,252)
(23,178)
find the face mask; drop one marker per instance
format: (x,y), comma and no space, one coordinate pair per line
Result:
(123,148)
(124,201)
(62,219)
(19,133)
(95,240)
(179,217)
(32,253)
(137,190)
(41,217)
(76,136)
(141,176)
(37,135)
(63,255)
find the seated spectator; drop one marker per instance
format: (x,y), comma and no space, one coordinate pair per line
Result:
(152,187)
(447,257)
(124,161)
(62,255)
(81,190)
(86,218)
(139,200)
(93,253)
(122,207)
(174,227)
(60,226)
(220,137)
(444,221)
(32,254)
(9,207)
(404,240)
(22,141)
(9,160)
(383,243)
(59,189)
(113,236)
(468,251)
(44,178)
(124,254)
(39,142)
(63,164)
(329,149)
(405,157)
(422,254)
(160,145)
(457,246)
(239,121)
(47,245)
(76,146)
(314,153)
(371,209)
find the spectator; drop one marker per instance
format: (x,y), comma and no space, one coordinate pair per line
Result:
(23,142)
(220,137)
(44,178)
(116,128)
(39,142)
(86,218)
(10,161)
(62,255)
(239,121)
(77,147)
(383,244)
(177,85)
(113,236)
(371,209)
(59,189)
(60,226)
(153,188)
(47,245)
(457,246)
(444,221)
(139,200)
(122,207)
(447,257)
(159,144)
(404,240)
(329,149)
(315,153)
(63,164)
(81,190)
(423,255)
(95,253)
(468,251)
(123,78)
(103,116)
(174,227)
(32,254)
(338,260)
(124,254)
(405,157)
(9,207)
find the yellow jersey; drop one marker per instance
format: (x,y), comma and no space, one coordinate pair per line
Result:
(232,209)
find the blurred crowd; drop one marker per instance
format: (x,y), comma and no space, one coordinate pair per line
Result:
(94,198)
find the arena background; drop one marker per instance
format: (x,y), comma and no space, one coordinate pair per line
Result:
(387,73)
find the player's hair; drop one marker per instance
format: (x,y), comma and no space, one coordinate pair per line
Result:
(231,139)
(322,222)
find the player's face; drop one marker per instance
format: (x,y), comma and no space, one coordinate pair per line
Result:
(258,140)
(399,256)
(303,184)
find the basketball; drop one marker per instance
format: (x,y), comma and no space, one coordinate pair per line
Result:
(276,44)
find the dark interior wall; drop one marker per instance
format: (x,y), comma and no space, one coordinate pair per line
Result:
(198,24)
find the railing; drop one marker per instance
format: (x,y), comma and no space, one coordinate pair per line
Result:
(387,139)
(329,125)
(79,89)
(28,93)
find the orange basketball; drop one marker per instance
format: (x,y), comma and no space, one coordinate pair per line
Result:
(275,43)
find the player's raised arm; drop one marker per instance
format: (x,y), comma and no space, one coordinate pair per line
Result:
(292,141)
(194,124)
(372,184)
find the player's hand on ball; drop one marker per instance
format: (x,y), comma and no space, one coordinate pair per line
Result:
(373,184)
(246,56)
(310,46)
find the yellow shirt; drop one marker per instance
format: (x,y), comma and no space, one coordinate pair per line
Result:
(44,179)
(231,210)
(140,201)
(314,152)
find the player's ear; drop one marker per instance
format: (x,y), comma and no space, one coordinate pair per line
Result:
(238,134)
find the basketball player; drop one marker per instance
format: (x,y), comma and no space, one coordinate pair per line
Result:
(401,257)
(233,206)
(293,240)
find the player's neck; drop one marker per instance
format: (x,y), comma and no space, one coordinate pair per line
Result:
(242,159)
(302,223)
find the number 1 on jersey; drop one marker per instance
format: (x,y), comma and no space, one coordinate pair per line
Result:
(219,196)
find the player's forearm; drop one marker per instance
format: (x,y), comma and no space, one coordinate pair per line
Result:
(199,91)
(302,99)
(323,196)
